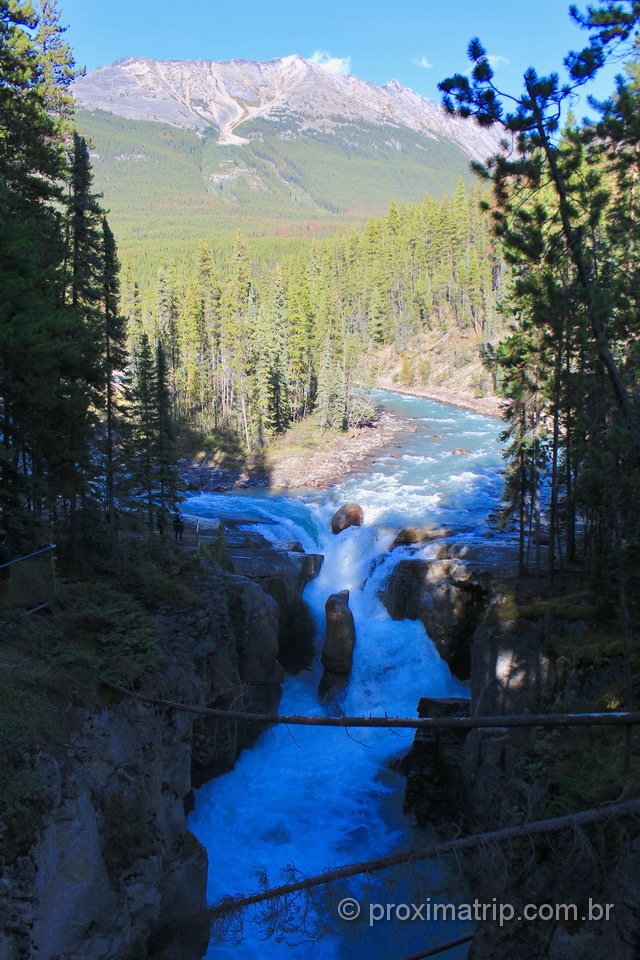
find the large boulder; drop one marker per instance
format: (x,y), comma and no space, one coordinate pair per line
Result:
(349,515)
(411,535)
(340,639)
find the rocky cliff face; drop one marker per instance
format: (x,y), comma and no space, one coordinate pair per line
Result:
(488,779)
(197,94)
(448,596)
(115,868)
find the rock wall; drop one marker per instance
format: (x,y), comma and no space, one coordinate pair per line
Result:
(115,870)
(448,596)
(481,781)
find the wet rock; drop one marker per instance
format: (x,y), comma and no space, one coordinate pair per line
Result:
(412,535)
(447,597)
(340,639)
(433,766)
(282,575)
(460,451)
(349,515)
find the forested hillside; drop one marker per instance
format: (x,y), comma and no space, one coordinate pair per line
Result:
(254,345)
(168,187)
(239,341)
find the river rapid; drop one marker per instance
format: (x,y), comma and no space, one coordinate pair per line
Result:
(317,797)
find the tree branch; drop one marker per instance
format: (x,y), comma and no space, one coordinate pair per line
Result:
(537,828)
(418,723)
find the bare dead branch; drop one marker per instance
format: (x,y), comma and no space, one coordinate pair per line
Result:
(232,904)
(549,720)
(435,951)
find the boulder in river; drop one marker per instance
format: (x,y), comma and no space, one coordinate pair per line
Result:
(349,515)
(340,639)
(460,452)
(410,535)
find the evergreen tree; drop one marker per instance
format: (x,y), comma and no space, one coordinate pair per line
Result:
(57,66)
(165,446)
(114,359)
(38,346)
(143,435)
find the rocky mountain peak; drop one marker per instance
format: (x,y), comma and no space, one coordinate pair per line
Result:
(202,94)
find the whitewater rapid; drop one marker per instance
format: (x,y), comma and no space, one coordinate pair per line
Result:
(314,798)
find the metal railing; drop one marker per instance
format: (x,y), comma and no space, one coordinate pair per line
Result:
(28,583)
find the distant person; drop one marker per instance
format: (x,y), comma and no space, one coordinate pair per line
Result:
(162,522)
(5,572)
(178,525)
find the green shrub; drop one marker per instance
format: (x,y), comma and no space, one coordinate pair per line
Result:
(118,624)
(27,725)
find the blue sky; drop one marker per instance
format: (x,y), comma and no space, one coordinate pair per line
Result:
(417,42)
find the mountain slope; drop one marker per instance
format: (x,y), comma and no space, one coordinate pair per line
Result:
(197,94)
(186,149)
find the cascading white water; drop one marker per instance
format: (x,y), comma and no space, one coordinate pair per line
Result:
(319,797)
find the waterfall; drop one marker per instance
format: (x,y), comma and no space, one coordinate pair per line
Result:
(320,797)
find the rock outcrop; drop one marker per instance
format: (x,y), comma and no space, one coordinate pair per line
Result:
(433,766)
(489,779)
(412,535)
(282,573)
(340,639)
(448,596)
(115,872)
(348,515)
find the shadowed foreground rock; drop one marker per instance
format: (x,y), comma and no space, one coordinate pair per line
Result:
(349,515)
(115,872)
(340,639)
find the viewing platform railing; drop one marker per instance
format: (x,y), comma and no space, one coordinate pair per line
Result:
(28,583)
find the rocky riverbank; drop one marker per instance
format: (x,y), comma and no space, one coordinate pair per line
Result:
(303,458)
(456,395)
(310,458)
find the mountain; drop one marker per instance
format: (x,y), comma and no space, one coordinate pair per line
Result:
(185,149)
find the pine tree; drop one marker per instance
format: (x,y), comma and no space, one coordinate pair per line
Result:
(114,358)
(143,436)
(57,66)
(165,446)
(37,341)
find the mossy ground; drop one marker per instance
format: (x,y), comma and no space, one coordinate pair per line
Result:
(579,627)
(102,622)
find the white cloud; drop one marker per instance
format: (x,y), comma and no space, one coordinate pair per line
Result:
(422,62)
(497,60)
(332,64)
